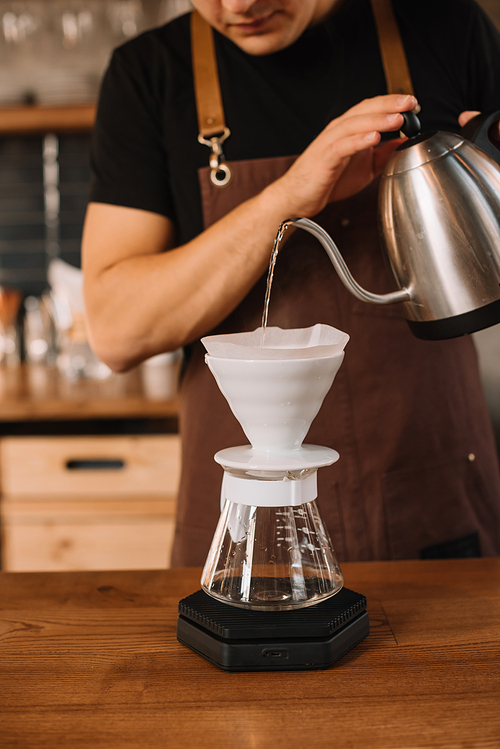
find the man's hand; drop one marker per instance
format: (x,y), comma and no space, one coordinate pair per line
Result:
(345,157)
(466,117)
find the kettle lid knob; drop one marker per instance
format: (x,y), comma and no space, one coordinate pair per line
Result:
(411,126)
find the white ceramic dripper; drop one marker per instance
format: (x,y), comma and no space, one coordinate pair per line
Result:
(271,550)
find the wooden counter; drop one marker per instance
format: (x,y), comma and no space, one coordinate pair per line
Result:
(36,392)
(90,659)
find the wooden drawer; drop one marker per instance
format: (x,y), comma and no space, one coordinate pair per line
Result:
(83,467)
(86,535)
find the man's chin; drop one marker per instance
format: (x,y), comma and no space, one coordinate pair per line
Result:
(259,44)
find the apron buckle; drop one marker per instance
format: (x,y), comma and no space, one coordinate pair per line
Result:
(220,173)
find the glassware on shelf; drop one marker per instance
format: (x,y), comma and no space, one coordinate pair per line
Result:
(39,332)
(160,375)
(10,301)
(75,357)
(21,31)
(126,18)
(56,51)
(75,52)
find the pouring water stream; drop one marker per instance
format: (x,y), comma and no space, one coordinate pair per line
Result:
(270,274)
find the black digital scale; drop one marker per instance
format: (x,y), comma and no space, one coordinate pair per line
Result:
(237,639)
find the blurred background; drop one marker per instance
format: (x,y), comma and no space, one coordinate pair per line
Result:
(89,460)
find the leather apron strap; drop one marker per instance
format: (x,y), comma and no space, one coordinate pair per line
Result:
(211,123)
(397,73)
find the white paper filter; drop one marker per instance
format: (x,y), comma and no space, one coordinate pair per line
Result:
(319,341)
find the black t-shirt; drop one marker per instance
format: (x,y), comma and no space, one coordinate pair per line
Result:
(145,152)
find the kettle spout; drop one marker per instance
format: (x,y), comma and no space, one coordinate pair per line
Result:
(343,272)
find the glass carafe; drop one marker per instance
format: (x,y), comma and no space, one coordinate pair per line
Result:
(271,557)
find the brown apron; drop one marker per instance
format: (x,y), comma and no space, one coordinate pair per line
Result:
(418,465)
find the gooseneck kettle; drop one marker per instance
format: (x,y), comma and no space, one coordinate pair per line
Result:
(439,219)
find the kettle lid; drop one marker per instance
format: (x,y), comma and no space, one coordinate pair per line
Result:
(420,148)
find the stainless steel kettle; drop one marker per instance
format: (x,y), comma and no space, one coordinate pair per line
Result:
(439,216)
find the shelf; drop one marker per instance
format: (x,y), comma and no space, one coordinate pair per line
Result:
(31,393)
(36,119)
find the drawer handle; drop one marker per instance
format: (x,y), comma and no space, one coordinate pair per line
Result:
(95,464)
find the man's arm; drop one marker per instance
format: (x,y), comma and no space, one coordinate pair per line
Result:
(141,300)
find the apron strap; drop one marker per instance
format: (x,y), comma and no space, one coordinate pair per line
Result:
(212,127)
(397,73)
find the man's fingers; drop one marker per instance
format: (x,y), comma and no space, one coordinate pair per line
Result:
(346,147)
(466,117)
(390,103)
(364,125)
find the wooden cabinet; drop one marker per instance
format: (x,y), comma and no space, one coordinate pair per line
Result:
(54,467)
(86,501)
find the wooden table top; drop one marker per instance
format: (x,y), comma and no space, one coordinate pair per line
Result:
(90,659)
(37,393)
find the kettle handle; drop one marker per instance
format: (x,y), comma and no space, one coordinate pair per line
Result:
(343,272)
(477,131)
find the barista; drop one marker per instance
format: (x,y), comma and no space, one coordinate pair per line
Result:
(168,256)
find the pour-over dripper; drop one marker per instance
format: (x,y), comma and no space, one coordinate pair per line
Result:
(275,401)
(271,550)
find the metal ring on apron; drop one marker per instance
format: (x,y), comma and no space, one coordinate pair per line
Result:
(221,176)
(220,173)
